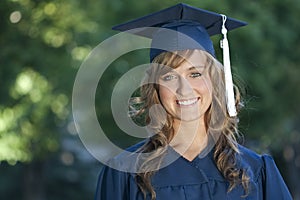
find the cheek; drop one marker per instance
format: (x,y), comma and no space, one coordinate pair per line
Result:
(165,93)
(203,86)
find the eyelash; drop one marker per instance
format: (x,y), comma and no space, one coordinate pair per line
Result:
(168,77)
(171,77)
(195,75)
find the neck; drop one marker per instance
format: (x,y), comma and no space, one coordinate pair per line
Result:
(190,138)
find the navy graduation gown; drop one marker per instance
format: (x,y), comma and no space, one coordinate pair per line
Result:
(198,179)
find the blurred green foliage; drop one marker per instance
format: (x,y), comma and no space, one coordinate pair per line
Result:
(43,43)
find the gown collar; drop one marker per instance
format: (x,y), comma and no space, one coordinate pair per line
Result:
(184,172)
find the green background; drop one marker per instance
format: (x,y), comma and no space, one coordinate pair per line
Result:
(43,43)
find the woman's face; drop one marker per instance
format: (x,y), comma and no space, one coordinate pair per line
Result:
(186,92)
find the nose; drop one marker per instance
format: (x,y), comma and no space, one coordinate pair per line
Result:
(184,87)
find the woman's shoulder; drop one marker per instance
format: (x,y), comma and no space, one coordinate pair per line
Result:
(264,171)
(252,161)
(126,160)
(135,147)
(250,157)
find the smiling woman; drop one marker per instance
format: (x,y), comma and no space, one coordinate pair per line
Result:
(186,91)
(200,128)
(190,86)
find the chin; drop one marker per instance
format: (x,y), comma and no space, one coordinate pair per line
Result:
(190,118)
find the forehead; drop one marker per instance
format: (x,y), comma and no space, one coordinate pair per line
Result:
(195,59)
(182,60)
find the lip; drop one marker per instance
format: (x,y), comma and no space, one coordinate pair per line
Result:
(187,102)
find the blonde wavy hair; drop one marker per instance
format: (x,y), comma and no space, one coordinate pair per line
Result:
(217,122)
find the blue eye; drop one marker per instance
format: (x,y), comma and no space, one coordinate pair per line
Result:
(168,77)
(195,75)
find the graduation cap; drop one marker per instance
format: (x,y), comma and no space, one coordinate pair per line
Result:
(183,27)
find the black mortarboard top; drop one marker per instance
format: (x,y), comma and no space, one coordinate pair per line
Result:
(179,27)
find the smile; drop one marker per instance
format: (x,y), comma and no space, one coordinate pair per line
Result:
(187,102)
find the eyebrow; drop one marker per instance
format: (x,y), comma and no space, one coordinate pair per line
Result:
(166,71)
(196,67)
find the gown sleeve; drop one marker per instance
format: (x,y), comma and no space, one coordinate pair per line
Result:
(273,184)
(111,185)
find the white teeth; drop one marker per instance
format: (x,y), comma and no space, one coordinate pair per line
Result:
(187,102)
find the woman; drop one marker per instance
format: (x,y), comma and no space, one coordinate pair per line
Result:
(197,130)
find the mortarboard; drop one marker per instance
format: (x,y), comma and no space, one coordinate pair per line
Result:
(183,27)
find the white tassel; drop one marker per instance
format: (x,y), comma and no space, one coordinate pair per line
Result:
(227,70)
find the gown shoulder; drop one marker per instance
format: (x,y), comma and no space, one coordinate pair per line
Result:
(263,171)
(199,178)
